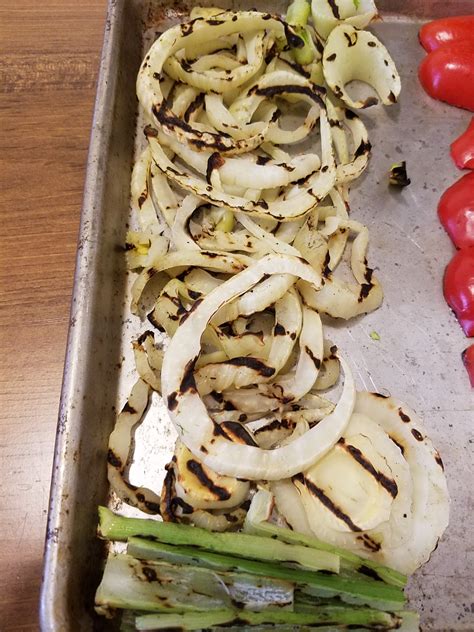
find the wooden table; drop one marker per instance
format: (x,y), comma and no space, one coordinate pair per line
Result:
(49,55)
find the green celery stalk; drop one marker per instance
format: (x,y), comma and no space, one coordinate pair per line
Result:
(114,527)
(256,523)
(355,591)
(155,586)
(330,615)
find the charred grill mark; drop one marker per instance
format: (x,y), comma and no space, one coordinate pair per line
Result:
(364,148)
(198,471)
(399,445)
(235,430)
(387,483)
(369,543)
(334,9)
(276,424)
(271,54)
(195,105)
(254,364)
(380,395)
(152,319)
(262,160)
(114,460)
(439,460)
(214,22)
(316,361)
(215,162)
(327,502)
(417,434)
(173,401)
(297,67)
(351,39)
(188,383)
(129,409)
(188,313)
(326,268)
(403,416)
(366,570)
(143,198)
(273,91)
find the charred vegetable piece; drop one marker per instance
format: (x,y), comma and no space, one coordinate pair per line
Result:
(324,616)
(116,527)
(297,17)
(358,590)
(459,288)
(446,31)
(398,175)
(468,359)
(456,211)
(154,586)
(447,74)
(462,149)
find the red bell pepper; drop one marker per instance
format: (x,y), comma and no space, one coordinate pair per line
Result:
(468,359)
(458,288)
(446,30)
(462,150)
(447,74)
(456,211)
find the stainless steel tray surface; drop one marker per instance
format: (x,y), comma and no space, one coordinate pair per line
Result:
(416,359)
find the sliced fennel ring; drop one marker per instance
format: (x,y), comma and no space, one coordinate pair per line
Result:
(200,433)
(352,55)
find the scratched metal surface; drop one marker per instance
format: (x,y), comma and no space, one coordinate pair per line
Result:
(417,357)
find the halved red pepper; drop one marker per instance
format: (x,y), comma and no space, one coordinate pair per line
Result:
(458,288)
(468,359)
(456,211)
(447,74)
(462,150)
(446,30)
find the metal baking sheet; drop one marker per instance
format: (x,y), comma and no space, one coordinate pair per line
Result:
(417,357)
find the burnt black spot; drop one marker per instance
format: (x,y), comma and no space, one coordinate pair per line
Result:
(279,330)
(254,364)
(218,397)
(262,160)
(316,361)
(331,57)
(229,406)
(129,409)
(152,507)
(326,268)
(143,198)
(276,424)
(150,574)
(263,204)
(403,416)
(364,148)
(417,434)
(380,395)
(188,383)
(291,37)
(141,339)
(215,161)
(364,291)
(150,131)
(173,401)
(113,459)
(371,44)
(243,417)
(327,502)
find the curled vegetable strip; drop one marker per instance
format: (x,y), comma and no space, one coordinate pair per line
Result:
(327,14)
(189,35)
(188,412)
(351,55)
(119,452)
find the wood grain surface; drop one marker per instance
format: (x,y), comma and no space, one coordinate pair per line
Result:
(49,57)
